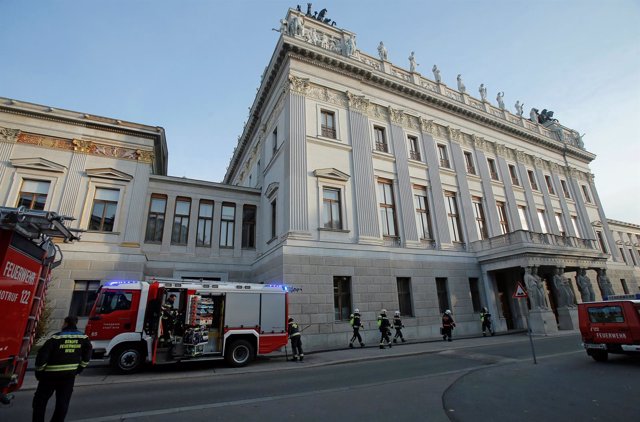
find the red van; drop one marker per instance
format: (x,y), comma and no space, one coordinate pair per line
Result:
(610,326)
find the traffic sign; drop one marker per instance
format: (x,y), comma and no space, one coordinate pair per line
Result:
(520,292)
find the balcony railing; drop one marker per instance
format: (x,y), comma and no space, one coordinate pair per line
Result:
(415,155)
(392,241)
(523,238)
(382,146)
(471,170)
(328,132)
(444,163)
(515,181)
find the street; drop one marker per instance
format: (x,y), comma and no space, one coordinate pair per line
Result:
(471,379)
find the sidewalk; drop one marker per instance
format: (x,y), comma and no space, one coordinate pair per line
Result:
(100,373)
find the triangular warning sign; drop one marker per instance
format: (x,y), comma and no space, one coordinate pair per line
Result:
(520,292)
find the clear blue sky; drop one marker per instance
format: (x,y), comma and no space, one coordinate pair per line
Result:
(193,67)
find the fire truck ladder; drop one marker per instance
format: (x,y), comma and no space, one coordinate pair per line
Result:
(41,227)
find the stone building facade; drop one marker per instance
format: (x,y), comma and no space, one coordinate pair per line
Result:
(357,183)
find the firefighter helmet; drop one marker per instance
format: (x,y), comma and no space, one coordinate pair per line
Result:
(383,311)
(290,319)
(448,312)
(356,311)
(397,313)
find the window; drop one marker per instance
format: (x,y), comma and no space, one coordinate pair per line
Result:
(274,141)
(387,208)
(422,213)
(601,242)
(565,189)
(585,191)
(249,226)
(478,212)
(444,157)
(633,257)
(404,296)
(414,148)
(514,175)
(522,213)
(492,169)
(443,294)
(103,213)
(328,124)
(83,297)
(605,314)
(33,194)
(331,211)
(547,179)
(475,294)
(543,221)
(205,223)
(227,225)
(155,221)
(342,298)
(574,222)
(563,232)
(111,301)
(453,219)
(468,159)
(624,257)
(273,218)
(180,231)
(502,215)
(532,180)
(625,288)
(380,139)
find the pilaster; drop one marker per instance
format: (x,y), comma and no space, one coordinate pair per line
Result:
(487,188)
(511,204)
(528,194)
(69,195)
(566,215)
(583,216)
(603,218)
(135,216)
(466,205)
(552,226)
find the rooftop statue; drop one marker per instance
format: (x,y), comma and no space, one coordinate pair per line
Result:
(382,51)
(500,100)
(436,73)
(412,62)
(533,115)
(519,108)
(483,92)
(578,139)
(546,116)
(461,86)
(319,16)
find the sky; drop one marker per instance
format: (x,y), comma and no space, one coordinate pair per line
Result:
(193,67)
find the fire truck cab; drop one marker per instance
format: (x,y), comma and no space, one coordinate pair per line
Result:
(610,326)
(27,256)
(166,321)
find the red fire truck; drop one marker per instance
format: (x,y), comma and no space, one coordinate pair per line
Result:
(610,326)
(27,256)
(167,321)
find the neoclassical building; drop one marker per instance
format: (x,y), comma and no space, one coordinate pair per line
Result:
(357,183)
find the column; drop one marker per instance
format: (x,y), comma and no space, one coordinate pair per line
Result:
(548,206)
(512,205)
(296,161)
(405,194)
(69,195)
(135,217)
(487,188)
(440,227)
(364,188)
(603,218)
(583,216)
(566,215)
(528,194)
(466,206)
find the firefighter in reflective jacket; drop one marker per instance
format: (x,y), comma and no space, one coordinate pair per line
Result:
(398,325)
(59,360)
(356,324)
(385,327)
(296,340)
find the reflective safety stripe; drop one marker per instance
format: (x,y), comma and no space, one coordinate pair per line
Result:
(59,368)
(294,334)
(62,336)
(84,364)
(40,368)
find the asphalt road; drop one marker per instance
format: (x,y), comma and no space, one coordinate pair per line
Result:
(489,382)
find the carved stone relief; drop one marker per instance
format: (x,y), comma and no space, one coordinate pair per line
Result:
(427,126)
(8,135)
(358,102)
(298,85)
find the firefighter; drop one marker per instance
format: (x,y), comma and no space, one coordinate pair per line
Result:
(398,325)
(169,317)
(296,340)
(356,324)
(385,327)
(59,360)
(447,325)
(485,318)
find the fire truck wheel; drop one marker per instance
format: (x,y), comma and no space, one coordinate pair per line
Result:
(239,353)
(599,355)
(127,358)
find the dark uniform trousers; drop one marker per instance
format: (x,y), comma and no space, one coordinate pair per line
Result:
(63,387)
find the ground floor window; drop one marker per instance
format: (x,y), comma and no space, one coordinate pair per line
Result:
(475,294)
(443,294)
(404,296)
(342,298)
(83,297)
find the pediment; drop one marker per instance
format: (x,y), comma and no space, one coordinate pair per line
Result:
(109,173)
(271,189)
(38,164)
(596,223)
(331,173)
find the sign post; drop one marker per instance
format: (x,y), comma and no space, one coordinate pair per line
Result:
(519,294)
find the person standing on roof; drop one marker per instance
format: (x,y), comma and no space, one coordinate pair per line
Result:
(356,324)
(447,325)
(398,325)
(385,327)
(59,360)
(296,340)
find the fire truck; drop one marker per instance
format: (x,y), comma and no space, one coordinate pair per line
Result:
(162,321)
(610,326)
(27,256)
